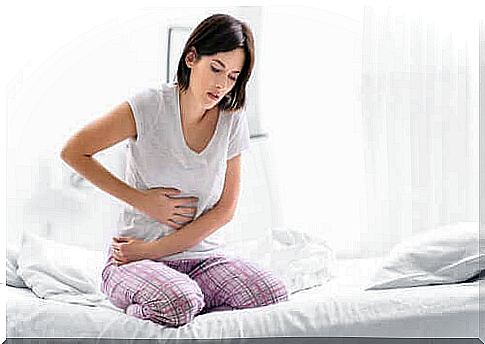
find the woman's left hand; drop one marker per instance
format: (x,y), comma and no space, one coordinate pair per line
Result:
(128,249)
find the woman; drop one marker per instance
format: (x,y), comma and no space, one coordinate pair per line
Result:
(182,184)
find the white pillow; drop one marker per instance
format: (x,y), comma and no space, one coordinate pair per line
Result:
(300,260)
(447,254)
(12,278)
(60,272)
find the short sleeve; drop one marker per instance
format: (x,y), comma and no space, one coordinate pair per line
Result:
(144,104)
(239,136)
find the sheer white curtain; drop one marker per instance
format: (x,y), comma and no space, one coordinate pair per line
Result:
(420,122)
(310,84)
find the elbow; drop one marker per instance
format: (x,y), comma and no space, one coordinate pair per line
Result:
(68,155)
(227,210)
(64,154)
(229,213)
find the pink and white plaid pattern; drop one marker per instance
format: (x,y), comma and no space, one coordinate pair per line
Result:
(172,293)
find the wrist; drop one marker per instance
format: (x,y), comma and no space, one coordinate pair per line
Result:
(153,249)
(137,199)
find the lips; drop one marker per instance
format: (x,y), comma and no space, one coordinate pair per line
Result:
(214,96)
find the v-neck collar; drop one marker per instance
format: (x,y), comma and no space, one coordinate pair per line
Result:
(181,130)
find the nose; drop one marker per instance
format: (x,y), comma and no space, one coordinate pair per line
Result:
(221,83)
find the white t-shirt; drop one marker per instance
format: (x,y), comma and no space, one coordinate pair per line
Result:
(160,157)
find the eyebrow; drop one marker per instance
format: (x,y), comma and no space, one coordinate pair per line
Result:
(223,65)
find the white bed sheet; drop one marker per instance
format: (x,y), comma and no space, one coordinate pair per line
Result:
(338,308)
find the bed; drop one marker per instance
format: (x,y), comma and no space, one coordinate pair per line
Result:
(338,308)
(323,302)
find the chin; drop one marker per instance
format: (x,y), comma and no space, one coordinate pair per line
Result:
(210,105)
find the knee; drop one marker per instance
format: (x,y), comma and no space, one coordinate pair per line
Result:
(176,308)
(273,290)
(117,293)
(260,292)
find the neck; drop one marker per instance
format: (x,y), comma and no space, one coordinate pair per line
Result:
(191,110)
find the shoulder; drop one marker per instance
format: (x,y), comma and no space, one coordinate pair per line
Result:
(233,116)
(166,90)
(146,93)
(154,99)
(237,118)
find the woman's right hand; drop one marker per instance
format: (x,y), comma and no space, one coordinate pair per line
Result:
(175,212)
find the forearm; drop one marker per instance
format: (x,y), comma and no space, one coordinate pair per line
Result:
(192,233)
(97,174)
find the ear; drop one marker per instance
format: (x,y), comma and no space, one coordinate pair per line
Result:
(191,57)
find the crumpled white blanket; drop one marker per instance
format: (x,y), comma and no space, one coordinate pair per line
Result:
(300,259)
(72,274)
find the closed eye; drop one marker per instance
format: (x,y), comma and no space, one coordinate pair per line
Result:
(215,70)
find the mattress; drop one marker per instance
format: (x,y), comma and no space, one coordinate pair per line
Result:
(338,308)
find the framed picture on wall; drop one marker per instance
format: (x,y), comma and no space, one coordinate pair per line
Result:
(177,36)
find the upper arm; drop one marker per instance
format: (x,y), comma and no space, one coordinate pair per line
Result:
(106,131)
(231,190)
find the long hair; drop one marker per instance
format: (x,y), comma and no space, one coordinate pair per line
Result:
(221,33)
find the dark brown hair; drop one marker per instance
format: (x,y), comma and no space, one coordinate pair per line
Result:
(221,33)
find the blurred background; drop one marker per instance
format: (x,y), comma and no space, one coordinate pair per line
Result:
(370,113)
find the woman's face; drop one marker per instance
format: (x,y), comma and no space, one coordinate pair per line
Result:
(214,75)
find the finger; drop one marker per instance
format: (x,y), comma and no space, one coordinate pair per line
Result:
(189,211)
(121,239)
(177,225)
(186,200)
(171,191)
(194,198)
(174,224)
(116,261)
(168,189)
(181,219)
(115,251)
(116,254)
(119,259)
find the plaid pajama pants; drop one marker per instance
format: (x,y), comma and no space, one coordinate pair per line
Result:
(172,293)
